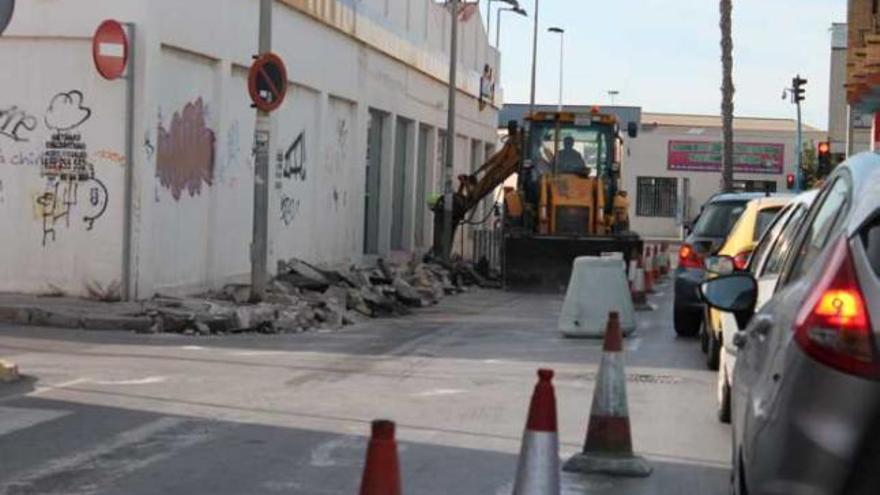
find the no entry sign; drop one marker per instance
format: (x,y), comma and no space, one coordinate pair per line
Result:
(267,82)
(110,49)
(6,8)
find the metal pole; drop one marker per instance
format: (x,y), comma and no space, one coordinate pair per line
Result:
(800,149)
(489,21)
(127,290)
(498,29)
(534,58)
(561,65)
(259,243)
(450,134)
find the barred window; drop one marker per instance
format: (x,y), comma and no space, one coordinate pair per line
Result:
(657,197)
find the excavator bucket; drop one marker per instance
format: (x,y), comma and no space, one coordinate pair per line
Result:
(544,263)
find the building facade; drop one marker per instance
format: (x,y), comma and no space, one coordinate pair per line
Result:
(674,166)
(863,70)
(356,147)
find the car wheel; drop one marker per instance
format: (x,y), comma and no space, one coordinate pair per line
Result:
(723,392)
(687,323)
(713,353)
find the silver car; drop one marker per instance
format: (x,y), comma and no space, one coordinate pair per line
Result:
(806,387)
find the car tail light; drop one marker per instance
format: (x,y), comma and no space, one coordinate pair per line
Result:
(688,257)
(833,326)
(741,260)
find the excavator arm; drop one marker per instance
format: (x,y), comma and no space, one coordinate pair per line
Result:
(472,189)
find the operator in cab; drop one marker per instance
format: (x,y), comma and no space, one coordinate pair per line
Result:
(570,161)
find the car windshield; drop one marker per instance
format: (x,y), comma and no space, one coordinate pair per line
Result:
(718,218)
(765,218)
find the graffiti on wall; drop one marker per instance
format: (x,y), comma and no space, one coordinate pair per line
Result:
(294,165)
(68,171)
(16,123)
(289,209)
(185,151)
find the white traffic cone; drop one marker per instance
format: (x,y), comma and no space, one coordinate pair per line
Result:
(538,470)
(608,448)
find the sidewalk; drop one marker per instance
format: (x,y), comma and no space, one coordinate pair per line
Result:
(69,312)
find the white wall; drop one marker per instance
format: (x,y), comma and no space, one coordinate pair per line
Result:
(193,165)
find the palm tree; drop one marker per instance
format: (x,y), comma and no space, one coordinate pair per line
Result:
(727,91)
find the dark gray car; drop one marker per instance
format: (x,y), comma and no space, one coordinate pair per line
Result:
(806,388)
(709,232)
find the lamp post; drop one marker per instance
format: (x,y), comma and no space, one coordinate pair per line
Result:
(517,10)
(513,4)
(612,93)
(561,33)
(534,58)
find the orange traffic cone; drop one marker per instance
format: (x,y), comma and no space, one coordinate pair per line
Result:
(382,469)
(538,470)
(608,448)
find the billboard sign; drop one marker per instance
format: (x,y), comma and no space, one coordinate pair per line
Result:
(705,156)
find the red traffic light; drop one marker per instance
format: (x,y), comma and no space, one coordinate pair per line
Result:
(824,148)
(789,181)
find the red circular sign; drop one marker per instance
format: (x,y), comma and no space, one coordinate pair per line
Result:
(267,82)
(110,49)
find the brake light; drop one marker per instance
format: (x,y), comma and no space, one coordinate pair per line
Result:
(833,326)
(741,260)
(688,257)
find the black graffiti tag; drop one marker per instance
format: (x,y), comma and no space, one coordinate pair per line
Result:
(295,158)
(13,121)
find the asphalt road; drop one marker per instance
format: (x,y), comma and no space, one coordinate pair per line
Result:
(120,413)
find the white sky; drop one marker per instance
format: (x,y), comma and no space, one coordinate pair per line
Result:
(664,55)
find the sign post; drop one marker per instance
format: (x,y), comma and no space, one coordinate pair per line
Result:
(6,8)
(112,48)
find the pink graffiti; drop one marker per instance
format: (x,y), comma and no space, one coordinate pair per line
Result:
(185,153)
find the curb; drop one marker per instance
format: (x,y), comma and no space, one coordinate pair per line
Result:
(8,372)
(37,316)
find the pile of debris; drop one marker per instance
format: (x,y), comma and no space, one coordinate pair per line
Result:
(305,297)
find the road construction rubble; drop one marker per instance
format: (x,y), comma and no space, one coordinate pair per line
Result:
(305,297)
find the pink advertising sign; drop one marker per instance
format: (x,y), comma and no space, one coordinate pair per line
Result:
(705,156)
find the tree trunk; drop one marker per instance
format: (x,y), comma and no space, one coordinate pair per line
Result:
(727,91)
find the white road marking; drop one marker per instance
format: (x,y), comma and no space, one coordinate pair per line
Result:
(14,419)
(60,386)
(111,467)
(439,392)
(257,353)
(322,455)
(192,348)
(142,381)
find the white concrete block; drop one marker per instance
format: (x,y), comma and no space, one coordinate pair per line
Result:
(597,287)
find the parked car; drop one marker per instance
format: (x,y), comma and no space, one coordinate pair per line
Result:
(709,231)
(740,243)
(764,263)
(806,386)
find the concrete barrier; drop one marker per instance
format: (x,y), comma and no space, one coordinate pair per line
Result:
(597,287)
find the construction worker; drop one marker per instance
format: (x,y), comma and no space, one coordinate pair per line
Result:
(570,161)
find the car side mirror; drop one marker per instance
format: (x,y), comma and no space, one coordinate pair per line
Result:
(736,293)
(632,130)
(720,265)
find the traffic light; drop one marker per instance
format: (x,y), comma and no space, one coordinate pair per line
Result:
(797,87)
(823,154)
(789,181)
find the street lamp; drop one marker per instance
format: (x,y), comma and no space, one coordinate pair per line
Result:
(516,10)
(534,58)
(613,94)
(561,33)
(512,3)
